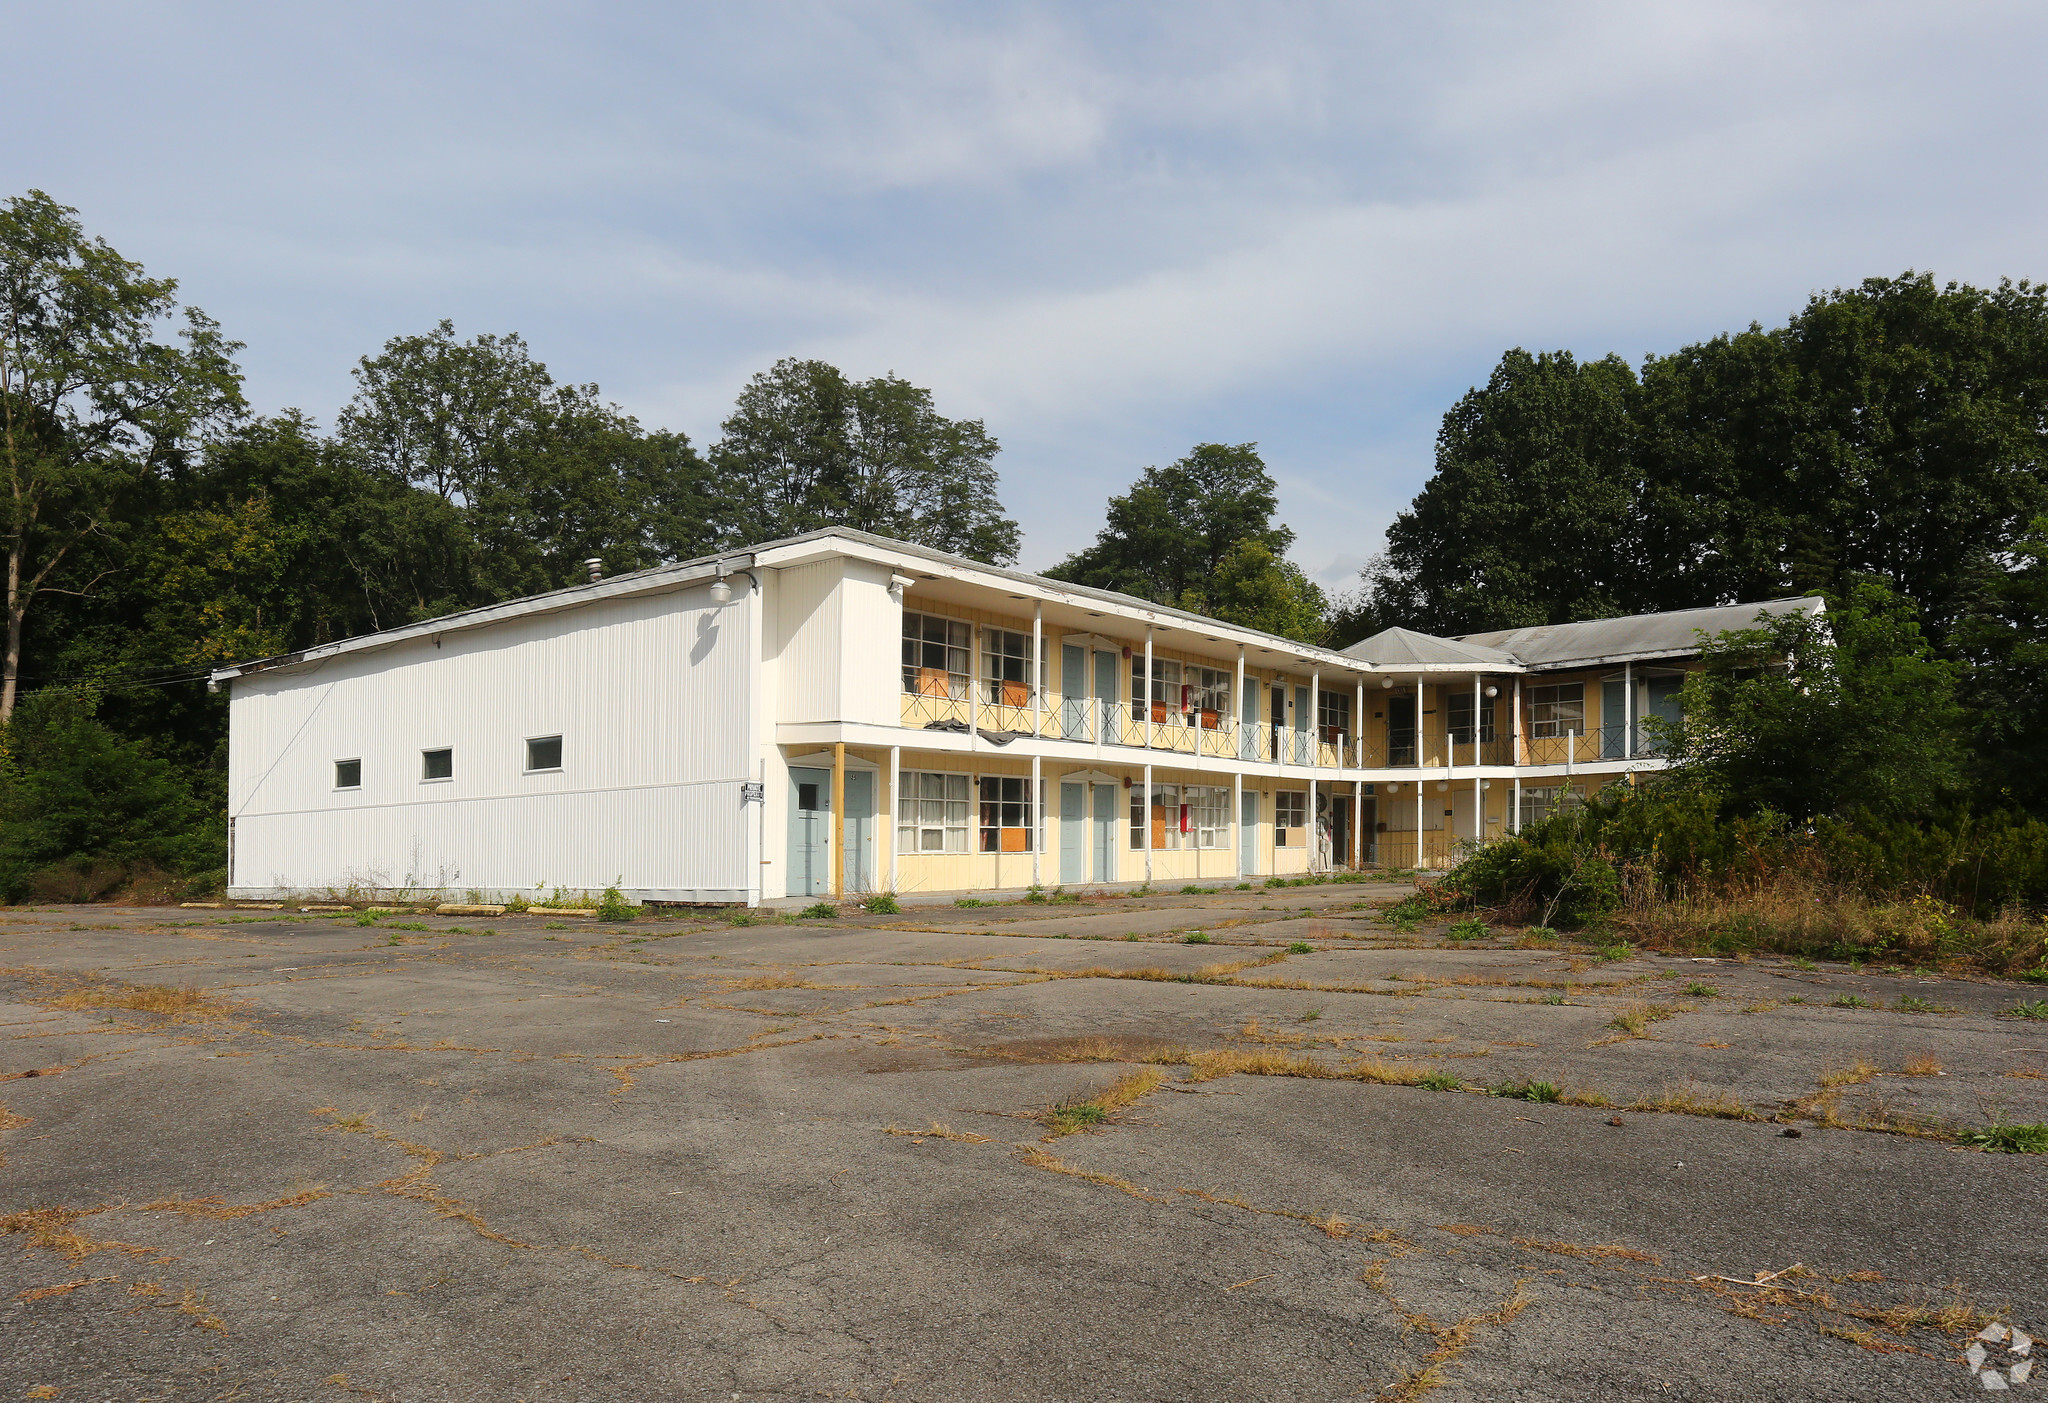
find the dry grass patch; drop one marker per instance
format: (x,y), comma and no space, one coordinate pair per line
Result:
(1925,1065)
(1635,1018)
(180,1004)
(1599,1252)
(1093,1048)
(936,1131)
(1071,1116)
(1052,1164)
(780,979)
(1858,1072)
(1267,1062)
(1690,1101)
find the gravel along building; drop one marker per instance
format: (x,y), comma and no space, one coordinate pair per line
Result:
(839,713)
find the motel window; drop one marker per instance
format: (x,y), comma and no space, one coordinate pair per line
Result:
(1333,715)
(1290,818)
(1558,709)
(935,656)
(1208,815)
(931,813)
(437,764)
(1006,667)
(1005,814)
(1166,817)
(543,753)
(1540,801)
(1209,695)
(1166,697)
(1461,717)
(348,774)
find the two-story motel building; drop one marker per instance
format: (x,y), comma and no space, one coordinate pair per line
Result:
(743,728)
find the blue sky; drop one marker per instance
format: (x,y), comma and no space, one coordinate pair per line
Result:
(1108,231)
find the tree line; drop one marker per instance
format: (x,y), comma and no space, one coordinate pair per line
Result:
(1888,438)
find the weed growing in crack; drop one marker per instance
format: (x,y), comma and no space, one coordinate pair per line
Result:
(2004,1137)
(1070,1116)
(2031,1008)
(1852,1001)
(1697,990)
(1542,1092)
(1441,1080)
(1301,947)
(1195,937)
(1636,1019)
(823,911)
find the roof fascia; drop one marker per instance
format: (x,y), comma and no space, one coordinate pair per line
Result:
(1056,592)
(621,587)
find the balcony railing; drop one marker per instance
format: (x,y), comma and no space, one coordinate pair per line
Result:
(1007,708)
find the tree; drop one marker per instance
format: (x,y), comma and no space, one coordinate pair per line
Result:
(1527,518)
(1256,589)
(1166,539)
(2003,639)
(1804,715)
(806,448)
(92,404)
(544,476)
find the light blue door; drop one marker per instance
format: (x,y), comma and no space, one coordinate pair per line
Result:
(1104,824)
(1248,833)
(1074,692)
(810,831)
(859,834)
(1073,834)
(1301,725)
(1106,699)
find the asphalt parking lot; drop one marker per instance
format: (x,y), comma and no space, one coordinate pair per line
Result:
(1018,1152)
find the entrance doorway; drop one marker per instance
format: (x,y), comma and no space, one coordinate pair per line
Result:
(810,831)
(859,832)
(1340,831)
(1248,834)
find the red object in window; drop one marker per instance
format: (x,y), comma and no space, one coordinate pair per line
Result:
(1183,818)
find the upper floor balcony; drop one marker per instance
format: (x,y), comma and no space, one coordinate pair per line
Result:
(1010,710)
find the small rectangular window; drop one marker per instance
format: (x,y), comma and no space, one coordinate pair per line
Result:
(807,798)
(544,753)
(348,774)
(1290,818)
(437,764)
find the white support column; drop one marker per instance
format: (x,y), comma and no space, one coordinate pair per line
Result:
(1237,700)
(895,808)
(1145,812)
(1237,813)
(1515,813)
(1418,814)
(1356,856)
(1037,670)
(1037,816)
(1478,763)
(1358,728)
(1515,728)
(1628,711)
(1151,700)
(973,688)
(1315,717)
(1315,829)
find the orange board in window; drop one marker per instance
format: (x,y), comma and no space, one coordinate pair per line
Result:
(1016,694)
(934,682)
(1016,840)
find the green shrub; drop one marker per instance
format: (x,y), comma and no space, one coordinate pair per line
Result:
(1301,947)
(882,904)
(822,911)
(1195,937)
(1471,928)
(614,907)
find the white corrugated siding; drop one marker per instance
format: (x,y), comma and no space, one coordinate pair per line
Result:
(809,645)
(649,694)
(872,660)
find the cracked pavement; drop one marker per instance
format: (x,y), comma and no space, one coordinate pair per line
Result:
(545,1159)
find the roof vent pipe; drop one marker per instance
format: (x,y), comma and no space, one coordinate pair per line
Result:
(595,566)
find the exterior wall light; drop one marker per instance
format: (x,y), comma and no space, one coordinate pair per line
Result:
(898,584)
(721,592)
(1493,691)
(1442,785)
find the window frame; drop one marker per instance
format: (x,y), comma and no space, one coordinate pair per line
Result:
(341,788)
(918,653)
(1329,702)
(1013,799)
(1566,710)
(1208,807)
(1005,651)
(1167,694)
(1290,802)
(426,764)
(917,825)
(1459,703)
(1166,799)
(533,769)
